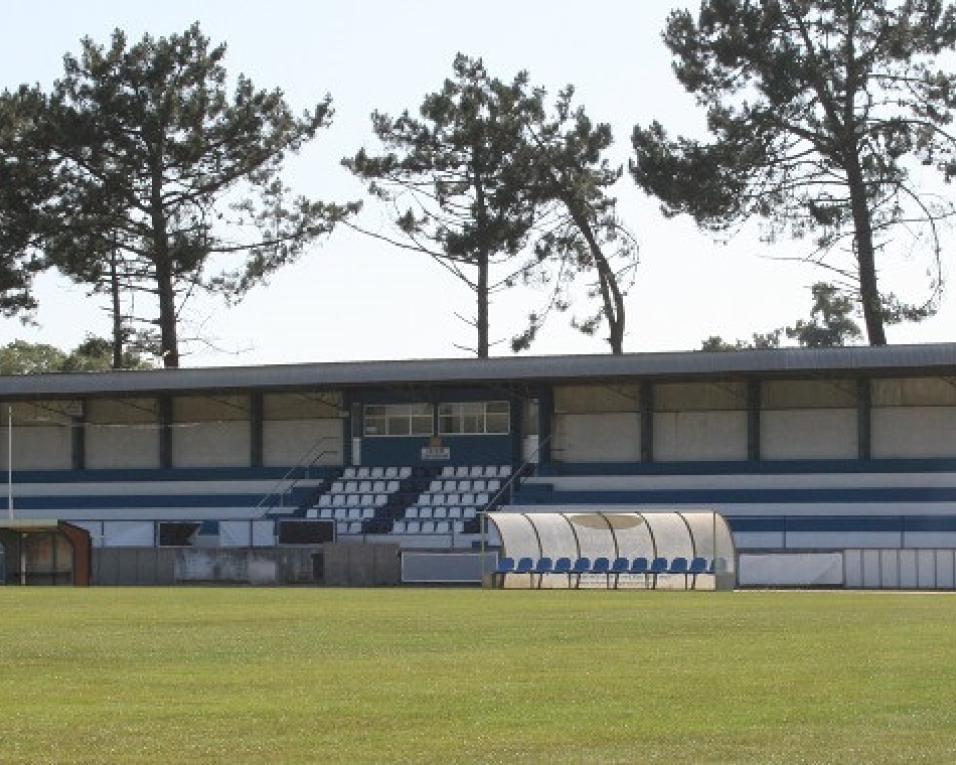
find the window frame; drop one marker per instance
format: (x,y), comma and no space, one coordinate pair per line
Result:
(458,415)
(409,417)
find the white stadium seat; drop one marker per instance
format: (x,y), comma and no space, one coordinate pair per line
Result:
(411,513)
(362,472)
(440,513)
(448,472)
(349,472)
(377,472)
(404,472)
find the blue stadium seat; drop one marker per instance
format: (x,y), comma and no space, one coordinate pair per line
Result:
(542,567)
(525,565)
(618,567)
(697,566)
(658,566)
(679,566)
(505,566)
(563,566)
(602,566)
(581,566)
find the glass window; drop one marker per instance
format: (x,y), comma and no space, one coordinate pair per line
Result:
(398,420)
(474,417)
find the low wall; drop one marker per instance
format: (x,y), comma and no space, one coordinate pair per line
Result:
(790,569)
(159,566)
(361,565)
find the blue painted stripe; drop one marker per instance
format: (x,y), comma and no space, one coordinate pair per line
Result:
(843,523)
(744,467)
(710,496)
(133,501)
(172,474)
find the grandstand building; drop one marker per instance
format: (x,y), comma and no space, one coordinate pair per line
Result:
(803,451)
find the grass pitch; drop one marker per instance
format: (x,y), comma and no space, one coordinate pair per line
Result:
(413,675)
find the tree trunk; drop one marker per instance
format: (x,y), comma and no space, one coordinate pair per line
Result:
(865,255)
(169,345)
(607,281)
(165,289)
(117,313)
(482,258)
(483,305)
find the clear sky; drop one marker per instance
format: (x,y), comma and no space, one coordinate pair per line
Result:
(352,297)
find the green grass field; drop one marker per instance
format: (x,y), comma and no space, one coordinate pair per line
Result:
(413,675)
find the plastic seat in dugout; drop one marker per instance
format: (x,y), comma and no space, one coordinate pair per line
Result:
(602,566)
(505,566)
(618,567)
(542,567)
(581,566)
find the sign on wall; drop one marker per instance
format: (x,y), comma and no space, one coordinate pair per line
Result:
(435,450)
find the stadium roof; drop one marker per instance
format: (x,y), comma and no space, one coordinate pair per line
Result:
(938,358)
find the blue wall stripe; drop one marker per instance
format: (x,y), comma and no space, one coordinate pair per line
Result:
(744,467)
(710,496)
(846,523)
(171,474)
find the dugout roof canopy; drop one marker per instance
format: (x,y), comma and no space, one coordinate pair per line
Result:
(627,534)
(932,358)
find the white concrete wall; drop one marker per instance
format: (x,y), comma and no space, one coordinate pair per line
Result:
(127,447)
(700,435)
(914,431)
(212,444)
(39,447)
(211,431)
(609,437)
(808,434)
(122,433)
(790,570)
(289,442)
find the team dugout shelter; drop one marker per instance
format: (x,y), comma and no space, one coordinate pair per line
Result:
(846,454)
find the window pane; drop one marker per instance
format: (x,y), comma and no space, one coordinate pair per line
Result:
(374,426)
(447,424)
(422,425)
(417,409)
(446,409)
(472,424)
(498,407)
(497,423)
(398,426)
(374,411)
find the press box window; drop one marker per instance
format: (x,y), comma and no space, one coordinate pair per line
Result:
(398,420)
(474,418)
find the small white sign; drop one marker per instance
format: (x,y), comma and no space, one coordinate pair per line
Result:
(436,452)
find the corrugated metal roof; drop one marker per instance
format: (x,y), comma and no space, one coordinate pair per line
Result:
(938,358)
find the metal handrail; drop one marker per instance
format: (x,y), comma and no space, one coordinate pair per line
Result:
(483,519)
(304,462)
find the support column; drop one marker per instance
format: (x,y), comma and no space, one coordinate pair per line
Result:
(255,430)
(753,420)
(78,437)
(165,432)
(864,405)
(516,408)
(545,423)
(347,428)
(647,421)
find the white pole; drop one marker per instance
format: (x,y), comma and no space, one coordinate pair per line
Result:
(10,461)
